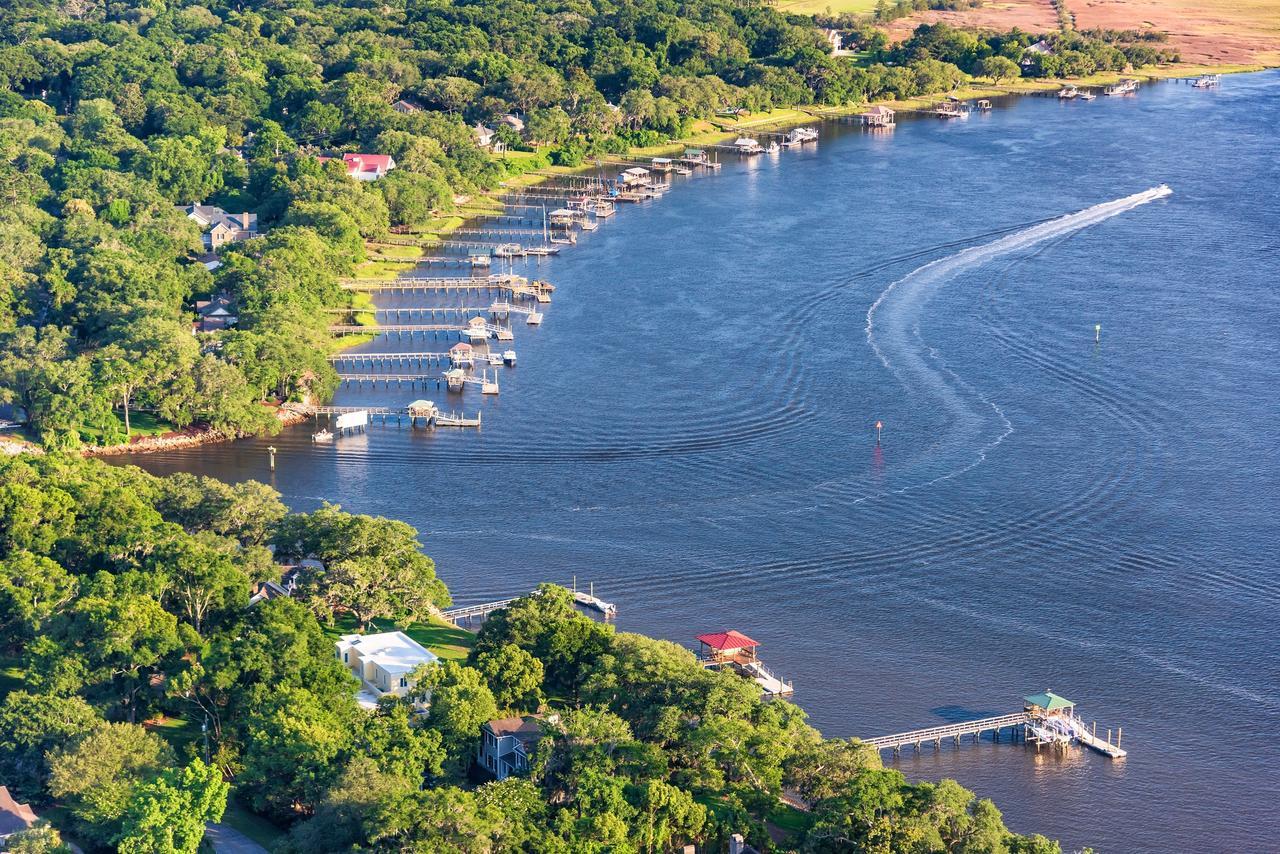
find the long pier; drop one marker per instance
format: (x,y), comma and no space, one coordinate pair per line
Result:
(432,417)
(957,731)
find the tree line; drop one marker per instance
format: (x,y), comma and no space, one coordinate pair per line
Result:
(124,611)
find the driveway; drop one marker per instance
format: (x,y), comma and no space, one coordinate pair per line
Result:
(227,840)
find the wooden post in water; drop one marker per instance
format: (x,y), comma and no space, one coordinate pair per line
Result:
(271,449)
(1119,732)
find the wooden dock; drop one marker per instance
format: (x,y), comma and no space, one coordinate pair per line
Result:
(1046,720)
(956,732)
(428,414)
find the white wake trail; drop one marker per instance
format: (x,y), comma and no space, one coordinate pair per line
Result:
(892,321)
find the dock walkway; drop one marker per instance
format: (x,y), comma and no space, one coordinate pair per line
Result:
(934,735)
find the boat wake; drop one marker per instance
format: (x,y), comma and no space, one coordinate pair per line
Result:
(893,333)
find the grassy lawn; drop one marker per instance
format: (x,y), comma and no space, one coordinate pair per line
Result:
(382,270)
(789,819)
(142,424)
(444,639)
(390,250)
(183,734)
(252,825)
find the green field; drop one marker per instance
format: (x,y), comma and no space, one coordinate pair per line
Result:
(834,7)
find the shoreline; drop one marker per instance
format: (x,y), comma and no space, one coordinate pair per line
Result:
(724,130)
(288,415)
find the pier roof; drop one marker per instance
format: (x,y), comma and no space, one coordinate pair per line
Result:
(726,640)
(1049,701)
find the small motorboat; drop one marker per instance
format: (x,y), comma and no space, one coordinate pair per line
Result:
(1086,96)
(509,357)
(322,436)
(773,148)
(494,359)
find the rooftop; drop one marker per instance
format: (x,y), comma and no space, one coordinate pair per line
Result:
(1049,701)
(13,815)
(731,639)
(394,652)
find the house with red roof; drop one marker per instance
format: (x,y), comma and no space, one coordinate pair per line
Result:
(365,167)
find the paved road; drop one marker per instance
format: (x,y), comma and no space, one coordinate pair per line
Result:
(228,840)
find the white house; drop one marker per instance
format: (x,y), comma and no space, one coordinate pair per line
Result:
(483,135)
(507,743)
(383,663)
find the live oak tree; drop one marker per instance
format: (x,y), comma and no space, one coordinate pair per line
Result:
(98,775)
(373,567)
(168,815)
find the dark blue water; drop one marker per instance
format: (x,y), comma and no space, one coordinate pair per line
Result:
(692,429)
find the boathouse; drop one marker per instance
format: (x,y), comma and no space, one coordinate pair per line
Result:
(735,650)
(1048,704)
(726,646)
(634,175)
(462,355)
(878,117)
(747,145)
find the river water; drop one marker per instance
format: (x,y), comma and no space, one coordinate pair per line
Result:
(692,428)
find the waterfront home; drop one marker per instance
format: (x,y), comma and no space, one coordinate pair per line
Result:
(406,107)
(220,227)
(365,167)
(507,743)
(215,313)
(384,663)
(483,135)
(1040,48)
(879,117)
(14,817)
(266,590)
(514,122)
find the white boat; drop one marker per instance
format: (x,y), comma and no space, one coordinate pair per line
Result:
(773,148)
(1087,96)
(480,260)
(494,359)
(683,170)
(542,250)
(1208,81)
(1068,92)
(509,357)
(588,601)
(322,436)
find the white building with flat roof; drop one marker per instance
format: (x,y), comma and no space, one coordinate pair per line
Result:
(383,663)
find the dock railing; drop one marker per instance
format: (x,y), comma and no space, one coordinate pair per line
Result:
(955,730)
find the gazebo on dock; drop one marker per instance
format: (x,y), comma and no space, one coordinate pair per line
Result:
(730,646)
(1048,704)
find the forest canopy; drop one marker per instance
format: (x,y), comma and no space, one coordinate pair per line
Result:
(148,691)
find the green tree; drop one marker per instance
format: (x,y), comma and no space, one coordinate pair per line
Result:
(31,727)
(514,676)
(96,776)
(40,838)
(168,815)
(999,68)
(460,703)
(33,589)
(373,567)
